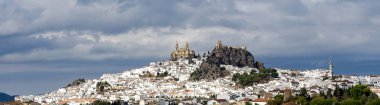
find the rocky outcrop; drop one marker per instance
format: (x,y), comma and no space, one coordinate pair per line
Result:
(239,57)
(210,69)
(76,82)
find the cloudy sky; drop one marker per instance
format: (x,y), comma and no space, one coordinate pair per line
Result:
(45,44)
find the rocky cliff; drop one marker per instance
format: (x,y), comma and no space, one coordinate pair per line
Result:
(210,69)
(239,57)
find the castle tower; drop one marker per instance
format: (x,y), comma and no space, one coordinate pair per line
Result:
(218,44)
(176,45)
(187,46)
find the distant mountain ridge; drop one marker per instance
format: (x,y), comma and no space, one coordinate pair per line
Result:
(5,97)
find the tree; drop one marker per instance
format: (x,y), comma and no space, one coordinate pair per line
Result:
(350,101)
(293,74)
(273,73)
(252,72)
(101,85)
(301,100)
(303,93)
(322,94)
(213,96)
(357,91)
(363,99)
(338,92)
(278,100)
(372,96)
(246,79)
(328,93)
(163,74)
(273,102)
(356,95)
(235,77)
(322,101)
(248,103)
(346,94)
(373,102)
(100,102)
(101,88)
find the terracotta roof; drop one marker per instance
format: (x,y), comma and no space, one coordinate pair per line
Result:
(261,100)
(246,99)
(221,100)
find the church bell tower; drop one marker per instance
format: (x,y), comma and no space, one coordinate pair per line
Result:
(331,67)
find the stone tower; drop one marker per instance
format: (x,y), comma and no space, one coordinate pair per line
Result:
(176,45)
(218,44)
(187,46)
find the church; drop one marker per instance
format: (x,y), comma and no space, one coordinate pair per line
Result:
(179,53)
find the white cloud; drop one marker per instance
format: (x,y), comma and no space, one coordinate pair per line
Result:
(140,43)
(103,30)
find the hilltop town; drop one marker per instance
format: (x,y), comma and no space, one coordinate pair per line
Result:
(217,77)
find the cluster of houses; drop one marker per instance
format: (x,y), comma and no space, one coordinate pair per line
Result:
(149,85)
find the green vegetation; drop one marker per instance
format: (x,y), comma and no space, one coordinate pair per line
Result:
(163,74)
(373,102)
(301,100)
(147,74)
(278,100)
(100,86)
(248,103)
(101,102)
(322,101)
(350,101)
(293,74)
(213,96)
(263,76)
(356,95)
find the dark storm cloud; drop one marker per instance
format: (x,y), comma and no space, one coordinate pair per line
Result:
(106,29)
(70,35)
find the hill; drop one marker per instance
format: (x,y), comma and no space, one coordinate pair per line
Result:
(5,97)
